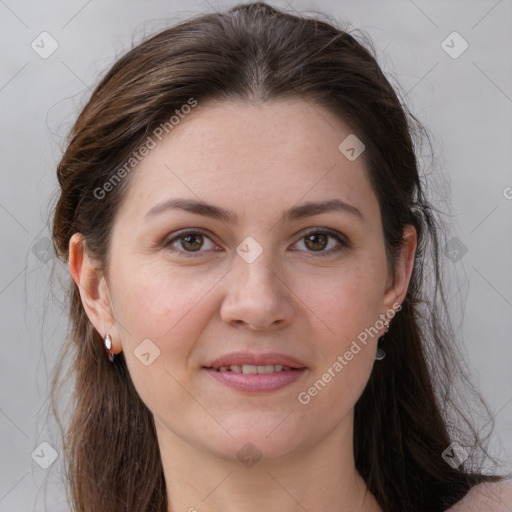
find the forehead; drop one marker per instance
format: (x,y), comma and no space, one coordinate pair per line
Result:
(234,153)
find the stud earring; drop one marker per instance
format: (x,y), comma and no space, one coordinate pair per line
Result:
(108,346)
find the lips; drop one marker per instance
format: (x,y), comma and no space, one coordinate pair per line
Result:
(245,362)
(250,369)
(256,373)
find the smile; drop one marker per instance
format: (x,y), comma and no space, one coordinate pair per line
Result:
(251,369)
(255,379)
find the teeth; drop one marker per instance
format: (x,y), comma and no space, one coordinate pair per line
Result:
(249,368)
(254,369)
(266,369)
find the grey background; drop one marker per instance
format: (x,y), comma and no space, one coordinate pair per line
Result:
(466,103)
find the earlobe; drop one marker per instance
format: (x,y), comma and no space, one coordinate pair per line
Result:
(397,290)
(91,284)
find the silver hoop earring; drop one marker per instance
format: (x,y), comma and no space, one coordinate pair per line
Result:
(380,354)
(108,346)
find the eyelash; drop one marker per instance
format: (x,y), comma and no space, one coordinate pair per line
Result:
(194,254)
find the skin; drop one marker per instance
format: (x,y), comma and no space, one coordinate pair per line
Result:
(257,160)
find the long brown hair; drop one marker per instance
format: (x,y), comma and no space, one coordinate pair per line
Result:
(407,415)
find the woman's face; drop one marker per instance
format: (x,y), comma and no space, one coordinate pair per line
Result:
(260,272)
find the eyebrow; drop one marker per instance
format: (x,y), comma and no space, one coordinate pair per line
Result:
(216,212)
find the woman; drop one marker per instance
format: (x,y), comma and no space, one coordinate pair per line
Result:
(248,237)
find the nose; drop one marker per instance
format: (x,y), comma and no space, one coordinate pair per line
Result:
(257,297)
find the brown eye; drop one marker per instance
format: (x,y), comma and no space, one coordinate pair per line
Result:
(323,242)
(191,242)
(316,241)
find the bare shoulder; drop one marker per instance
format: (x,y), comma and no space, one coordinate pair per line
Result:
(487,497)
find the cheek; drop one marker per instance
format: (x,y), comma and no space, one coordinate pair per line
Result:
(161,313)
(347,302)
(346,347)
(168,311)
(160,304)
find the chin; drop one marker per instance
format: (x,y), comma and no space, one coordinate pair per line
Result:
(252,438)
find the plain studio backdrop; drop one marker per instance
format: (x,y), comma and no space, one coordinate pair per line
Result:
(452,62)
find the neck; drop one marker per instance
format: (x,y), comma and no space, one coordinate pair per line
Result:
(320,477)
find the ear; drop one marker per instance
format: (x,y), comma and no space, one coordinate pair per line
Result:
(92,286)
(396,288)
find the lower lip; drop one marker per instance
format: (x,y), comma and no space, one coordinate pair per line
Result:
(256,382)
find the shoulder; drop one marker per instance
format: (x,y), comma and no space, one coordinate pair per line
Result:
(487,497)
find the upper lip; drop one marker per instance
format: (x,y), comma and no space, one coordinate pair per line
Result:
(241,358)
